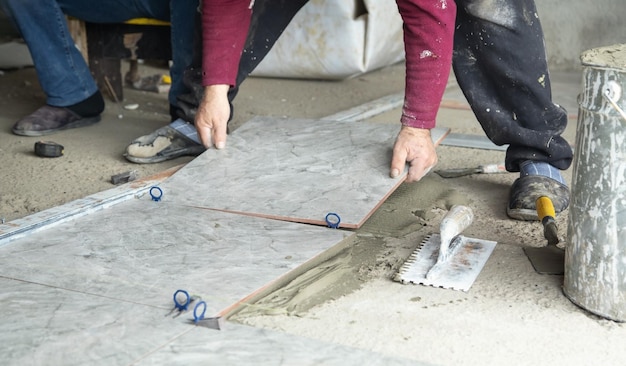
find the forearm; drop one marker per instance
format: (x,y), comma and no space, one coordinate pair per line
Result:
(428,37)
(225,25)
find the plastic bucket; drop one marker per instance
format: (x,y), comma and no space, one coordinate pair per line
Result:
(595,255)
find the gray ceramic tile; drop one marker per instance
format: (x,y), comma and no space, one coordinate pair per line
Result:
(143,251)
(295,170)
(72,210)
(43,325)
(242,345)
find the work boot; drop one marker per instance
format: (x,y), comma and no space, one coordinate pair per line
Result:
(48,119)
(526,190)
(179,138)
(166,143)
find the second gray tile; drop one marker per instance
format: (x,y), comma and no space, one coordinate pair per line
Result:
(295,170)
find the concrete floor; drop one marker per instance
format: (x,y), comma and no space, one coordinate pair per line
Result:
(511,314)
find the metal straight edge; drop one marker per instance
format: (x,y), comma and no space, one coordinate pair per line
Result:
(471,141)
(369,109)
(44,219)
(19,228)
(392,101)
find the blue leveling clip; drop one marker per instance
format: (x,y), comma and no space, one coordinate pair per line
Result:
(182,306)
(154,196)
(332,220)
(182,301)
(199,319)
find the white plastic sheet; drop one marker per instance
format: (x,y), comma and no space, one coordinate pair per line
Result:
(14,55)
(337,39)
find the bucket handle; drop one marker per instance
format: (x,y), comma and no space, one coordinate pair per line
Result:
(614,90)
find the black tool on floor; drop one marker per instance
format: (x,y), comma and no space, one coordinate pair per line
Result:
(124,177)
(48,149)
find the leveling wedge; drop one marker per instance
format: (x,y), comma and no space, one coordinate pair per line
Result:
(448,260)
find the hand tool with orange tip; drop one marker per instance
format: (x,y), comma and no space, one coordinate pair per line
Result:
(546,213)
(548,259)
(448,259)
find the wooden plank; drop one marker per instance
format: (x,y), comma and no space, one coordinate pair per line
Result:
(79,34)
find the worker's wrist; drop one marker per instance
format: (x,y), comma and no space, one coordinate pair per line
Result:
(417,123)
(415,131)
(216,91)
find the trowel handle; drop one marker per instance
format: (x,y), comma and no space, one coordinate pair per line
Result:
(456,220)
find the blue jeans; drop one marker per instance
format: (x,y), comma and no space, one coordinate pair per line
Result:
(63,73)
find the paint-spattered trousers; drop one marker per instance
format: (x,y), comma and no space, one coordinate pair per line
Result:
(499,62)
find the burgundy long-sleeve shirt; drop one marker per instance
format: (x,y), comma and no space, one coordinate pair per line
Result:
(428,36)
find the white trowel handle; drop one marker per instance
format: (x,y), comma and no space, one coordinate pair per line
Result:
(456,220)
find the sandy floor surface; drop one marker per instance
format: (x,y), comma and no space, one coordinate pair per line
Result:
(511,315)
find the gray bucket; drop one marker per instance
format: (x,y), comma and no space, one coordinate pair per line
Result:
(595,255)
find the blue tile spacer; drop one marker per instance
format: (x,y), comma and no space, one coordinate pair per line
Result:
(332,220)
(197,317)
(182,306)
(154,196)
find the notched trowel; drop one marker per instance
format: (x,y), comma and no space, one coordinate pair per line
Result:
(448,260)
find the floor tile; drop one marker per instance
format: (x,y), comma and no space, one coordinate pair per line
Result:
(143,251)
(295,170)
(243,345)
(43,325)
(55,215)
(72,210)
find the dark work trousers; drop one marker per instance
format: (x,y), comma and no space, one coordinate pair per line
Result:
(269,20)
(500,64)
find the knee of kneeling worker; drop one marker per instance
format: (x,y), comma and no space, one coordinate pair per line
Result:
(500,12)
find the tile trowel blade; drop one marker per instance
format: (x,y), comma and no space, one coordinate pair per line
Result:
(448,260)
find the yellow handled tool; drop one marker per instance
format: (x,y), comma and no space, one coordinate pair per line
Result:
(546,213)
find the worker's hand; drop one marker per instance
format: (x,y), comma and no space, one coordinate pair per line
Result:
(212,117)
(413,146)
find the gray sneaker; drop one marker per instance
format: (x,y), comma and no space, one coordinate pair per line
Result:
(48,120)
(166,143)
